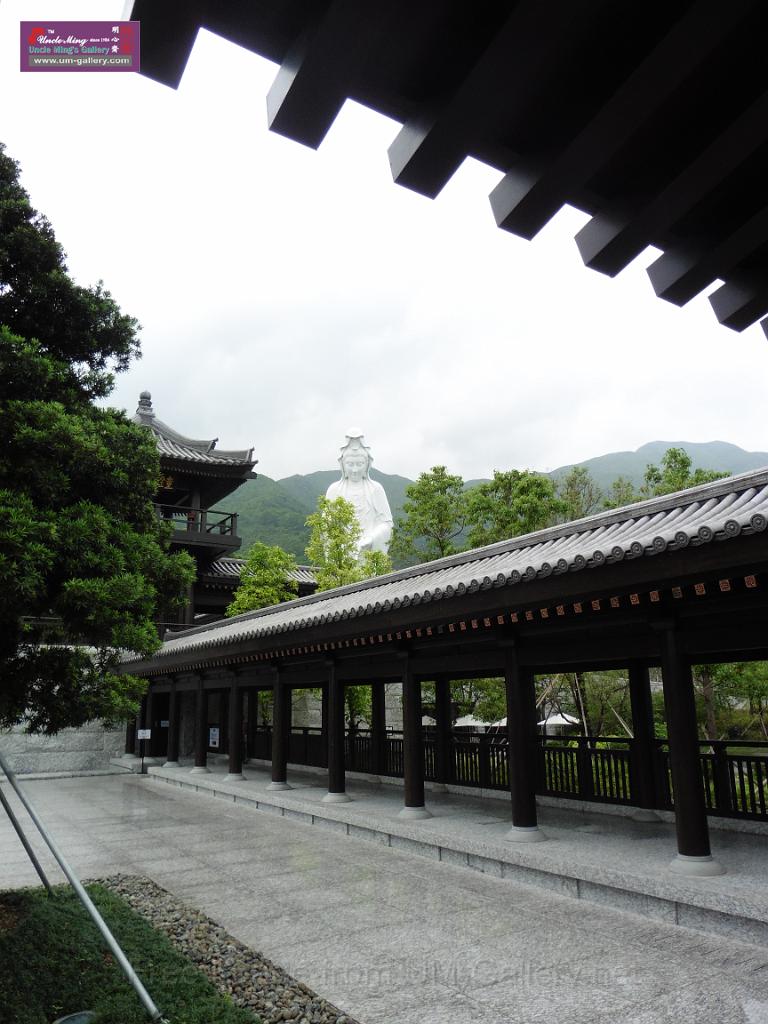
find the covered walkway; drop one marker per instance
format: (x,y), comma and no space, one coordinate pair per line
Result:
(670,582)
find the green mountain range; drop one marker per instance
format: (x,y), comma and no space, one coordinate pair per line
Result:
(275,511)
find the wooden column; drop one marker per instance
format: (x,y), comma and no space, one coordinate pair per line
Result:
(694,856)
(523,750)
(281,726)
(130,738)
(643,748)
(172,755)
(149,720)
(324,722)
(201,729)
(378,731)
(141,717)
(336,720)
(443,748)
(413,747)
(235,731)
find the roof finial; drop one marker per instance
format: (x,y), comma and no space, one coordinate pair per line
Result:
(145,411)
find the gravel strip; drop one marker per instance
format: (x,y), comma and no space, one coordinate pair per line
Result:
(246,976)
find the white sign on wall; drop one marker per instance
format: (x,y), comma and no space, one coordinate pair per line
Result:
(213,737)
(144,734)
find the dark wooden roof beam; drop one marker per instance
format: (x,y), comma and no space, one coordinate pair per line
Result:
(741,301)
(680,274)
(609,242)
(524,202)
(168,33)
(504,81)
(314,79)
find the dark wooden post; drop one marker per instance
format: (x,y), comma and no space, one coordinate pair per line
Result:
(642,761)
(130,738)
(235,731)
(413,746)
(694,856)
(281,726)
(201,729)
(149,720)
(443,735)
(336,778)
(523,750)
(172,754)
(141,717)
(324,723)
(378,731)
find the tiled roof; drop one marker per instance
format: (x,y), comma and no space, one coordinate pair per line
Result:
(711,513)
(232,567)
(175,446)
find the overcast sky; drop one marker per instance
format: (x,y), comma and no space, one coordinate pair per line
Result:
(286,295)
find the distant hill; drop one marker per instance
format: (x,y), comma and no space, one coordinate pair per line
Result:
(728,458)
(274,511)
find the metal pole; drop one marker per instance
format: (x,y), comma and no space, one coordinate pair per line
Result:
(84,898)
(24,841)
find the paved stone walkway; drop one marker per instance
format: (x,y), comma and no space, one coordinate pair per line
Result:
(388,936)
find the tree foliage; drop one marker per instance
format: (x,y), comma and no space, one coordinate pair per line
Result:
(84,568)
(265,579)
(332,549)
(434,517)
(513,503)
(675,473)
(579,494)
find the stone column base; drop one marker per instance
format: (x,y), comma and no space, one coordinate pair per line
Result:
(274,786)
(200,770)
(525,834)
(696,867)
(234,777)
(336,798)
(414,813)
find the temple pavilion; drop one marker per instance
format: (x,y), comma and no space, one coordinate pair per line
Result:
(195,476)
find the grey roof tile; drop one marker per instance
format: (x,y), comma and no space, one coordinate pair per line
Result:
(176,446)
(710,513)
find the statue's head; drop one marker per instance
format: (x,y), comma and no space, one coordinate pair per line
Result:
(355,458)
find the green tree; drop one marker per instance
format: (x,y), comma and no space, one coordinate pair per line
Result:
(621,493)
(513,503)
(265,579)
(579,493)
(84,567)
(434,517)
(332,548)
(675,474)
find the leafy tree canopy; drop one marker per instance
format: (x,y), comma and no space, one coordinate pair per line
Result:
(675,474)
(513,503)
(265,579)
(434,517)
(332,548)
(84,568)
(579,493)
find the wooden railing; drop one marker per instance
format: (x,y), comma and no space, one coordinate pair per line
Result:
(199,520)
(594,768)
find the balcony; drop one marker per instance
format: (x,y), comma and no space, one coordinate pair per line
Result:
(209,530)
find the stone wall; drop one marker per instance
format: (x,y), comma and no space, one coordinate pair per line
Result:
(88,748)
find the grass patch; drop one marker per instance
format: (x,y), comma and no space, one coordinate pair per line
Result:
(53,961)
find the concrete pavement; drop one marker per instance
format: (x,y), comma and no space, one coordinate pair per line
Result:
(386,935)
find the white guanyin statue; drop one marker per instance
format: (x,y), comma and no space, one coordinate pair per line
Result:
(365,495)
